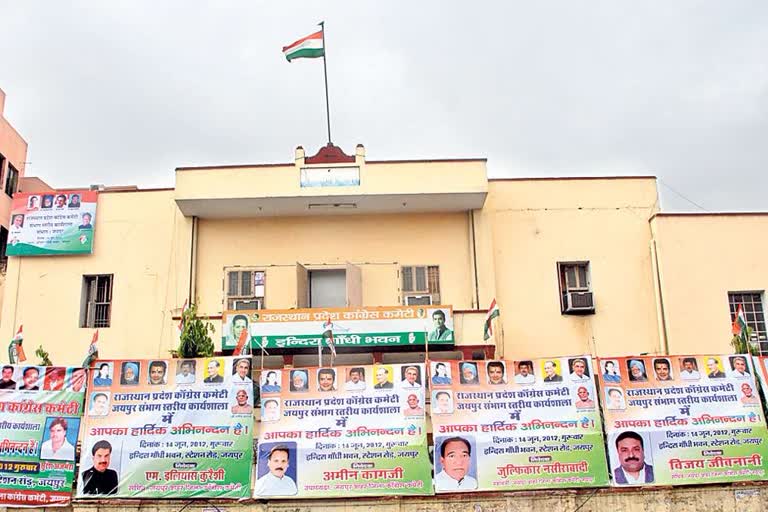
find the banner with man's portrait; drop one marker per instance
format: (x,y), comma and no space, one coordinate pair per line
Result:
(40,410)
(52,223)
(510,425)
(168,428)
(343,431)
(379,326)
(674,420)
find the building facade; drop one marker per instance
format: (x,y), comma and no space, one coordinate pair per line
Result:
(577,265)
(13,155)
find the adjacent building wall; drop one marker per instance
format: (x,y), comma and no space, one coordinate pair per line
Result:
(702,257)
(537,223)
(14,148)
(143,240)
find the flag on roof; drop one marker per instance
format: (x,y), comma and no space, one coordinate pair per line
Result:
(493,312)
(309,47)
(93,351)
(15,350)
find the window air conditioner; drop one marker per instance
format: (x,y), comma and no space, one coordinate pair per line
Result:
(418,300)
(243,305)
(579,302)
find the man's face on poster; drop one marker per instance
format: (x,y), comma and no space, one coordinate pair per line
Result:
(579,367)
(524,369)
(636,371)
(7,374)
(630,453)
(712,365)
(439,320)
(354,376)
(278,463)
(17,220)
(101,459)
(740,365)
(130,375)
(746,389)
(496,374)
(58,434)
(186,368)
(381,375)
(583,394)
(30,377)
(549,369)
(325,381)
(662,369)
(688,365)
(456,460)
(468,372)
(411,374)
(298,380)
(271,410)
(243,368)
(413,401)
(241,397)
(60,200)
(100,405)
(156,374)
(213,369)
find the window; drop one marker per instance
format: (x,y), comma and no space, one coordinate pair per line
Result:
(421,285)
(752,304)
(2,165)
(245,289)
(12,181)
(575,288)
(96,304)
(3,244)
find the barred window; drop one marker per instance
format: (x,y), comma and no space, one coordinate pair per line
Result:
(96,301)
(752,304)
(420,284)
(244,289)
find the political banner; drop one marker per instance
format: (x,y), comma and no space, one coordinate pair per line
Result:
(512,425)
(40,407)
(179,428)
(675,420)
(381,326)
(342,432)
(51,223)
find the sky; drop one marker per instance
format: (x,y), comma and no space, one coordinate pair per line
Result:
(124,92)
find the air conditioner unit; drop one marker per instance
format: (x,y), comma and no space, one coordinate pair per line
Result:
(579,302)
(244,305)
(418,300)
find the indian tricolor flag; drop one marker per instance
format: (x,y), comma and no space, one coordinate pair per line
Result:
(493,312)
(739,327)
(15,350)
(309,47)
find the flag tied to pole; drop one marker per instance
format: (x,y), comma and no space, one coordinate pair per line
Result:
(241,348)
(739,327)
(328,335)
(93,351)
(309,47)
(493,312)
(15,350)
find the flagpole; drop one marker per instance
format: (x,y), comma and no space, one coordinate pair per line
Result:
(325,73)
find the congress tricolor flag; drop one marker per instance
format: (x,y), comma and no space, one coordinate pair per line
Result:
(309,47)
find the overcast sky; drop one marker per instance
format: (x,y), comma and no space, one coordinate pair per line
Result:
(124,92)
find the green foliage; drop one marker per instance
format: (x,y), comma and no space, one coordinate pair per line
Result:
(45,359)
(195,340)
(743,345)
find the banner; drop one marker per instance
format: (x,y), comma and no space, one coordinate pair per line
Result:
(40,408)
(674,420)
(179,428)
(342,432)
(48,223)
(352,327)
(511,425)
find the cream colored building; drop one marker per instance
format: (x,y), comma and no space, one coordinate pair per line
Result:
(577,265)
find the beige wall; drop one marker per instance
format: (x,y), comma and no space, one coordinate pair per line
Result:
(378,244)
(14,148)
(537,223)
(143,240)
(702,257)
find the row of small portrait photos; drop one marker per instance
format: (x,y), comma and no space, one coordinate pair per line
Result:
(575,369)
(53,201)
(642,369)
(215,370)
(384,376)
(45,378)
